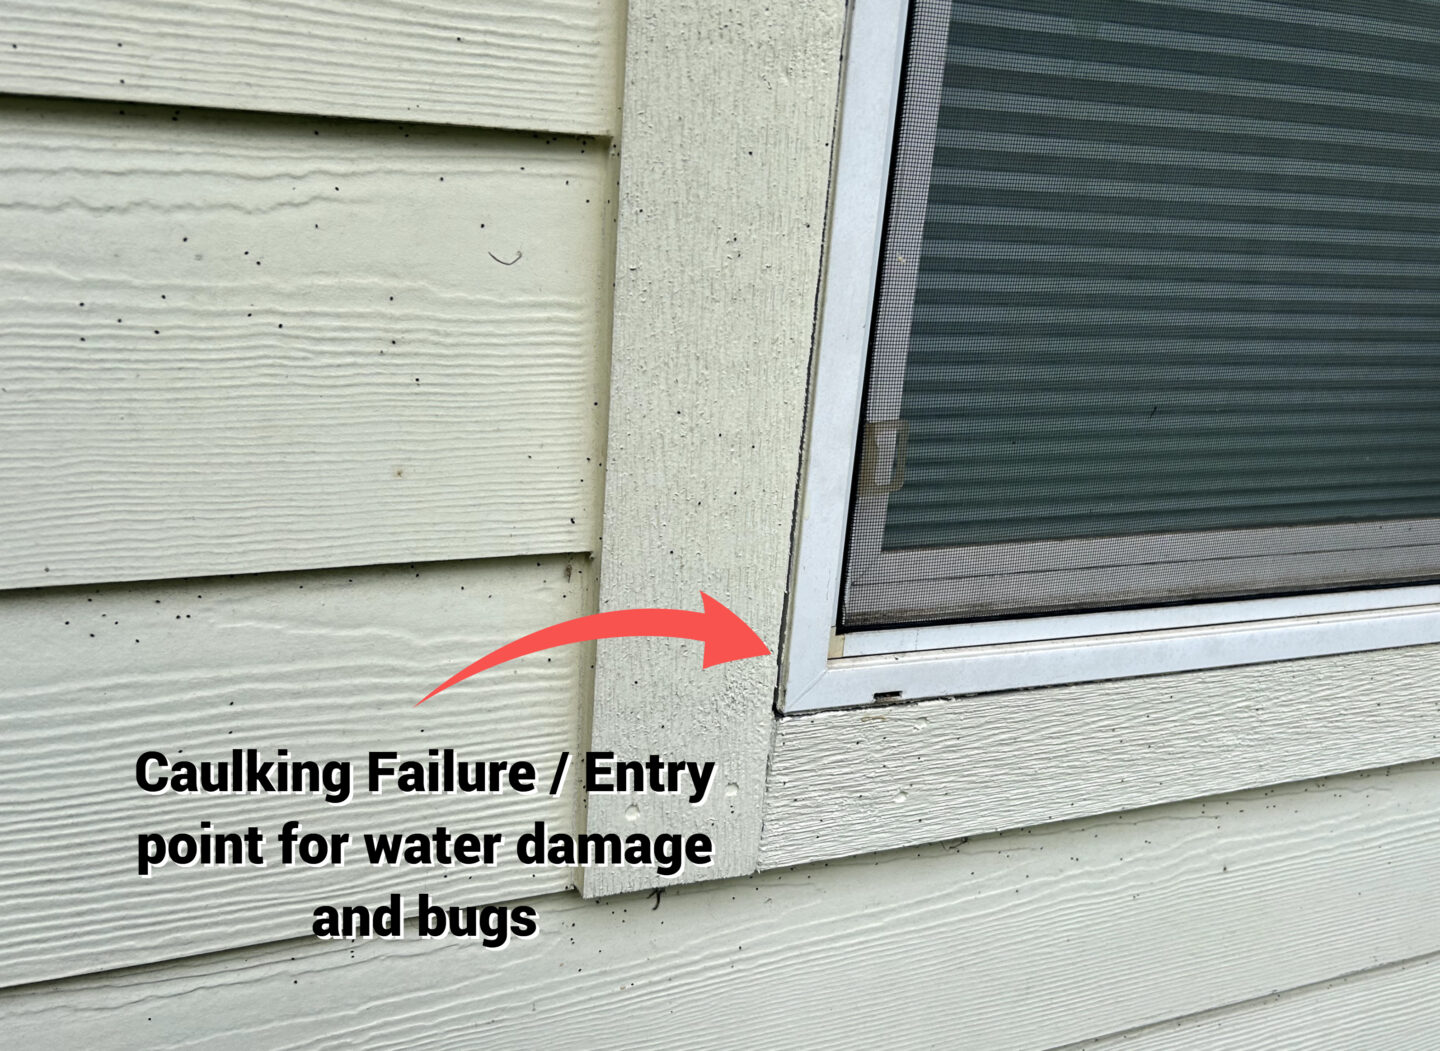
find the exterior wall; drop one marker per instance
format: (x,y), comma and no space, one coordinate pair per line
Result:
(242,346)
(280,343)
(191,484)
(859,781)
(1396,1007)
(550,65)
(1024,940)
(314,662)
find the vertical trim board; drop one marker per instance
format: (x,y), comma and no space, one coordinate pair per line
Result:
(728,118)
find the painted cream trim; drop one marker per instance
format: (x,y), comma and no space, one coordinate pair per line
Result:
(728,120)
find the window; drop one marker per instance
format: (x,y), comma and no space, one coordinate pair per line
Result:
(1129,355)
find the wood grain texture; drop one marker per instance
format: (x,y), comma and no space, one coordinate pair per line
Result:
(327,665)
(547,65)
(850,782)
(238,343)
(1023,940)
(1393,1008)
(728,117)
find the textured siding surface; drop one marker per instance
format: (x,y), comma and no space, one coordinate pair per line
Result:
(1394,1008)
(239,343)
(725,163)
(1023,941)
(252,500)
(327,665)
(304,329)
(847,782)
(549,65)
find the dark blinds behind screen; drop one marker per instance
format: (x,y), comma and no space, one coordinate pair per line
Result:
(1159,303)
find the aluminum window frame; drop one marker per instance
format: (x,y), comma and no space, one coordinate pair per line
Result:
(826,669)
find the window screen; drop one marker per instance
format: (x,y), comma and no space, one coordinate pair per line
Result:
(1158,309)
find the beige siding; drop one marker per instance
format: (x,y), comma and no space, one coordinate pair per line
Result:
(245,343)
(542,64)
(253,340)
(847,782)
(242,343)
(1026,940)
(328,665)
(1394,1008)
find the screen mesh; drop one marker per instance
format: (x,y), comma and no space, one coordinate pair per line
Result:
(1158,308)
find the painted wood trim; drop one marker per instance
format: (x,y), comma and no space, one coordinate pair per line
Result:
(546,65)
(851,782)
(243,343)
(1014,942)
(1394,1008)
(728,118)
(327,665)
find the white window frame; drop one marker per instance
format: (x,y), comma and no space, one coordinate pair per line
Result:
(824,669)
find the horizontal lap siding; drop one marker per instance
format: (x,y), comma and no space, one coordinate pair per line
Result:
(1026,940)
(848,782)
(1393,1008)
(541,64)
(241,343)
(328,665)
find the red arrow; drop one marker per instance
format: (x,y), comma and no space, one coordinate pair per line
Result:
(726,636)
